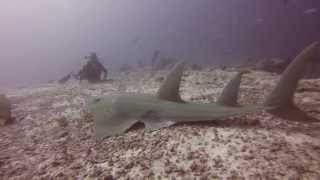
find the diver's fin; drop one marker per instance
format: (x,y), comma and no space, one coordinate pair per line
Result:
(281,98)
(229,95)
(169,90)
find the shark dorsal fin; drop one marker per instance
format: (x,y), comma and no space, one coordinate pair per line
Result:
(229,95)
(169,90)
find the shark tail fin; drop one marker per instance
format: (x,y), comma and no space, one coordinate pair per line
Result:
(280,101)
(229,95)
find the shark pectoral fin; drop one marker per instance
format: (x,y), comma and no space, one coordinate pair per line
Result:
(169,90)
(110,126)
(153,125)
(229,95)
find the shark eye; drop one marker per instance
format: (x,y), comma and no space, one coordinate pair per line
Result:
(148,113)
(97,100)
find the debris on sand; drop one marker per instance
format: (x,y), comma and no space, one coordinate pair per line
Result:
(5,110)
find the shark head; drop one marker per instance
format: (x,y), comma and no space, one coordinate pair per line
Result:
(108,118)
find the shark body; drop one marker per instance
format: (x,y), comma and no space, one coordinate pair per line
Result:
(115,114)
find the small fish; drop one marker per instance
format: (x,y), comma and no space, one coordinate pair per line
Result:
(135,40)
(310,11)
(259,20)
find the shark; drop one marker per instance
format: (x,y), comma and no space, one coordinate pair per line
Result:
(115,114)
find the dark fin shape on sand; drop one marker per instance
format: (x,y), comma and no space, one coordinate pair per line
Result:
(229,95)
(169,90)
(281,98)
(155,123)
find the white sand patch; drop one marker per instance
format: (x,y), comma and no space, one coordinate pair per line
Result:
(60,104)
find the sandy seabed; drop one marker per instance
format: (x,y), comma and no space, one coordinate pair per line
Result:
(52,136)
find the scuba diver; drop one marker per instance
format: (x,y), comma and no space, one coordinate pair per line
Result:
(93,70)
